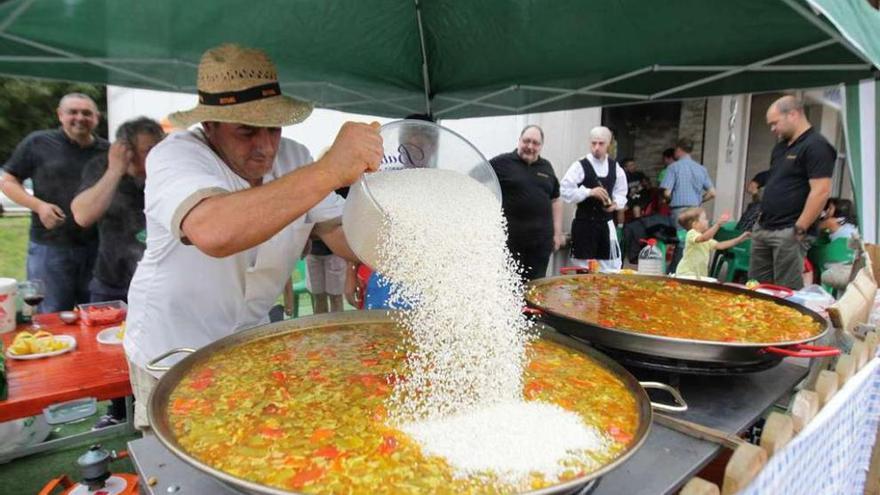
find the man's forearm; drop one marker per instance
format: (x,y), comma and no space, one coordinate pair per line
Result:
(814,205)
(230,223)
(90,205)
(557,216)
(708,195)
(13,189)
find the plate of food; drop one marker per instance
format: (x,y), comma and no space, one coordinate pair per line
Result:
(38,345)
(112,335)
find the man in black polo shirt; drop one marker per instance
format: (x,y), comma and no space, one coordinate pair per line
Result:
(60,253)
(530,199)
(797,188)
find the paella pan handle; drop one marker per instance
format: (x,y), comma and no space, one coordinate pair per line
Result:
(530,311)
(565,270)
(154,364)
(803,351)
(681,405)
(776,288)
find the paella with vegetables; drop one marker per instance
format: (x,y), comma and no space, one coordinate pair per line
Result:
(306,411)
(670,308)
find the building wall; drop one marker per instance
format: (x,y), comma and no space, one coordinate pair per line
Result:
(724,155)
(644,131)
(691,125)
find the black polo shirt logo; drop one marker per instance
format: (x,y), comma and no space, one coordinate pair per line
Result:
(790,157)
(542,174)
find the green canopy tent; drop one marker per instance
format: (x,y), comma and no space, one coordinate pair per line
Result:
(454,58)
(464,58)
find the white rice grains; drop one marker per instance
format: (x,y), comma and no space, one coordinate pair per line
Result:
(443,246)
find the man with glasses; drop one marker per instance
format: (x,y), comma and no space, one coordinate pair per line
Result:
(530,199)
(61,253)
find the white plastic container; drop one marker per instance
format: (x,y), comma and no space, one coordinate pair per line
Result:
(8,295)
(651,259)
(409,144)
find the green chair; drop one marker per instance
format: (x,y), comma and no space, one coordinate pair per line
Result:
(736,259)
(299,285)
(825,252)
(725,233)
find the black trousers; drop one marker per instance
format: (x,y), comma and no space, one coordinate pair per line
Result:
(533,257)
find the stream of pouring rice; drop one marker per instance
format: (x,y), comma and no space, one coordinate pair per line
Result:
(444,247)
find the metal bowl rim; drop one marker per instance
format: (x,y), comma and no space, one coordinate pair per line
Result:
(824,324)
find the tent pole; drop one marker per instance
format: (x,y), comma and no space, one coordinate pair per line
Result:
(24,59)
(629,96)
(700,82)
(506,108)
(465,103)
(768,68)
(599,84)
(15,14)
(425,77)
(56,51)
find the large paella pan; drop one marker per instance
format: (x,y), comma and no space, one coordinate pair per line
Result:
(298,406)
(689,320)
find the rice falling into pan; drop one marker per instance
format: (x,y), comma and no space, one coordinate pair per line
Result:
(443,246)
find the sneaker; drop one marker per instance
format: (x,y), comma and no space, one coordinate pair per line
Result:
(105,421)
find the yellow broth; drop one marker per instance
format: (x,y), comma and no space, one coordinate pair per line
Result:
(673,309)
(305,411)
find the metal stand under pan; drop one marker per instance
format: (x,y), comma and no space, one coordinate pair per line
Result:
(683,366)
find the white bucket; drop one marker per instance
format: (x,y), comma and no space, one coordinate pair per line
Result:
(409,144)
(8,294)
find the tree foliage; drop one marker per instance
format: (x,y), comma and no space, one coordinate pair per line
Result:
(29,105)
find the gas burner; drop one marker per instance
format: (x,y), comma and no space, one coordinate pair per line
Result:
(684,366)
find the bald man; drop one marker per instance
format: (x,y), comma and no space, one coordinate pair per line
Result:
(60,253)
(799,184)
(597,185)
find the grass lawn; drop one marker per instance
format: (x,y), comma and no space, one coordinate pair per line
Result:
(13,245)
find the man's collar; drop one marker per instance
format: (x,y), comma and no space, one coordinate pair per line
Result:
(516,154)
(74,141)
(801,136)
(593,159)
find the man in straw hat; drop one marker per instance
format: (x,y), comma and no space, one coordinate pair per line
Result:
(229,209)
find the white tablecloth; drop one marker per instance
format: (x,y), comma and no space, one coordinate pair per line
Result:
(832,454)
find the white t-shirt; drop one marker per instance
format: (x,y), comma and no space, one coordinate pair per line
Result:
(180,296)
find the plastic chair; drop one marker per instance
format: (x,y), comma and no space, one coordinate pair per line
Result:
(299,285)
(736,259)
(825,251)
(725,233)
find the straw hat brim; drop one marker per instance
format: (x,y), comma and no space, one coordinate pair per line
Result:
(277,111)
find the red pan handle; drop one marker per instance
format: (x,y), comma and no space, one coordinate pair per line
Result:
(565,270)
(803,351)
(528,310)
(777,288)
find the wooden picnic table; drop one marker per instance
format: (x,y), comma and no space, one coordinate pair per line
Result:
(91,370)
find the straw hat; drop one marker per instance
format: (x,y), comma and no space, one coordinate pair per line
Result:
(240,85)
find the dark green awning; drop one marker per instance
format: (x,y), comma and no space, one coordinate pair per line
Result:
(463,58)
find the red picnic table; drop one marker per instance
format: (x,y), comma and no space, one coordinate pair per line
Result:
(91,370)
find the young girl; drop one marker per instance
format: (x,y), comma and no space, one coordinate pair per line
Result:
(700,243)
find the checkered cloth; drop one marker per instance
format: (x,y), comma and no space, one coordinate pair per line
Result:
(832,454)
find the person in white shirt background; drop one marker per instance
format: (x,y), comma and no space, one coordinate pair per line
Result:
(597,185)
(229,208)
